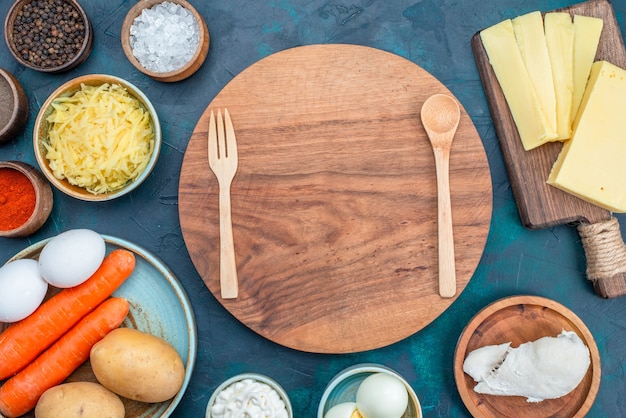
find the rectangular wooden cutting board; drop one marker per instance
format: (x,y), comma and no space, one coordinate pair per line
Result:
(541,205)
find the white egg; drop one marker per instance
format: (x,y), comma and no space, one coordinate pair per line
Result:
(343,410)
(382,395)
(71,257)
(22,289)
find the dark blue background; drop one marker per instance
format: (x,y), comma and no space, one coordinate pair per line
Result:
(433,34)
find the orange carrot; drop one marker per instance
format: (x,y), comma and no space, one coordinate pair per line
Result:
(20,393)
(23,341)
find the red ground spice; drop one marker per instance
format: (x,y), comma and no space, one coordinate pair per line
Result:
(17,199)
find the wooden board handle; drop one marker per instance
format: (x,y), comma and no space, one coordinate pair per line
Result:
(606,257)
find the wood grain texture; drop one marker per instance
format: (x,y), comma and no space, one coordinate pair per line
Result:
(440,118)
(520,319)
(335,200)
(541,205)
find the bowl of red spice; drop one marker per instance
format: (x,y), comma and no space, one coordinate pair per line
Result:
(48,35)
(25,199)
(168,40)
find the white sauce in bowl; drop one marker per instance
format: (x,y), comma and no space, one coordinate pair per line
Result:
(248,398)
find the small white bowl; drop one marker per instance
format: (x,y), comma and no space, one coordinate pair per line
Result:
(253,376)
(343,387)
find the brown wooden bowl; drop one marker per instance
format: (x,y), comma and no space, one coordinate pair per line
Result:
(40,135)
(12,40)
(13,106)
(171,76)
(519,319)
(43,202)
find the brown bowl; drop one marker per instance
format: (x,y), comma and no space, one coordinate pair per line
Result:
(186,70)
(519,319)
(43,200)
(17,41)
(40,134)
(13,106)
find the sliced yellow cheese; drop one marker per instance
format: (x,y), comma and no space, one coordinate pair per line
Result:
(505,58)
(591,164)
(559,30)
(531,41)
(587,31)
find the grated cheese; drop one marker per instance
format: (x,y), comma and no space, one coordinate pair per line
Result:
(99,138)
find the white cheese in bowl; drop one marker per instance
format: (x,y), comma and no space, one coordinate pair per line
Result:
(248,398)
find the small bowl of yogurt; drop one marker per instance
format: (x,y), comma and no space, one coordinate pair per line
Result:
(249,394)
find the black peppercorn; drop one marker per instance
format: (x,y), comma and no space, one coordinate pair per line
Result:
(48,33)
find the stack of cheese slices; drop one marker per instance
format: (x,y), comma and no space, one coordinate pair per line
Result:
(556,92)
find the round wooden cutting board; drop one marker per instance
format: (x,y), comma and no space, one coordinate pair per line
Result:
(334,204)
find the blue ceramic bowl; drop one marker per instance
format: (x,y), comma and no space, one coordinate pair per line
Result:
(159,306)
(343,387)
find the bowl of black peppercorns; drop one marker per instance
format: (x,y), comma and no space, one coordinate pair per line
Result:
(48,35)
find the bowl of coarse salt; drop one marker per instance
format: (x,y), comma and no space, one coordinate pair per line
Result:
(167,40)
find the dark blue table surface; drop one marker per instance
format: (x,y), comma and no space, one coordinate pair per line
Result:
(433,34)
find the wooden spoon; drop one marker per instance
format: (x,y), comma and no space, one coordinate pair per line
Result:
(440,116)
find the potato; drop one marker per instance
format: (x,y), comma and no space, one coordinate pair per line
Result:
(79,400)
(137,365)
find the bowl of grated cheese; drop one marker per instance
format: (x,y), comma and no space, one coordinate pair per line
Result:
(97,137)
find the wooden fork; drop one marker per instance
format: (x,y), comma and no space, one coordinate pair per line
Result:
(223,161)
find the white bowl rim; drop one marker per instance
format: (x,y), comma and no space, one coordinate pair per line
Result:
(364,368)
(255,376)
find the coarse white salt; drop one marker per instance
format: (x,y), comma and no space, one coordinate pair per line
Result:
(164,37)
